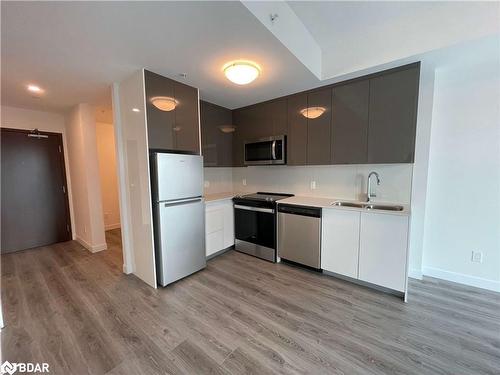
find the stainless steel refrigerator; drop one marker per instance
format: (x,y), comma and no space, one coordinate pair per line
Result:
(178,215)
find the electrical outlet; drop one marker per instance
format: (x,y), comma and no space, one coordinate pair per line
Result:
(207,184)
(244,182)
(313,185)
(477,256)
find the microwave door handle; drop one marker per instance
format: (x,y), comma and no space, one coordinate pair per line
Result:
(273,150)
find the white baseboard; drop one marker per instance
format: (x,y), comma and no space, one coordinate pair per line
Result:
(112,226)
(415,273)
(92,248)
(461,278)
(125,270)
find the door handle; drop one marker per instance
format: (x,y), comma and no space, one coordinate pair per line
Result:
(273,150)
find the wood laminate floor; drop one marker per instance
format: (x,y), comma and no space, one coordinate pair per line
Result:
(241,315)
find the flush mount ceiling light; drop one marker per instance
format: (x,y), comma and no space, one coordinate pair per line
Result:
(136,110)
(312,112)
(164,103)
(227,128)
(34,89)
(241,72)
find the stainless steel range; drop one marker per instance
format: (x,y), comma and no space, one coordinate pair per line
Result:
(255,224)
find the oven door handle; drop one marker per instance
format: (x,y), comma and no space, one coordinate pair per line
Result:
(258,209)
(273,150)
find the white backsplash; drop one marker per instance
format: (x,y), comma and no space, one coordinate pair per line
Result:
(335,181)
(219,180)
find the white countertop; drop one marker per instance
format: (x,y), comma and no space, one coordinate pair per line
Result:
(220,196)
(327,203)
(320,202)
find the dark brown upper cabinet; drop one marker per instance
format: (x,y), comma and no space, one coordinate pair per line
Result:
(216,137)
(187,122)
(369,119)
(242,119)
(177,128)
(160,123)
(319,128)
(297,130)
(277,110)
(350,123)
(393,116)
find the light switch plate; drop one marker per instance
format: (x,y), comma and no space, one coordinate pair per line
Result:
(207,184)
(313,185)
(244,182)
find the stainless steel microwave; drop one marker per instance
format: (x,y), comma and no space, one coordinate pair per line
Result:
(270,150)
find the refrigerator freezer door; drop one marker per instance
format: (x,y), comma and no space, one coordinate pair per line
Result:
(181,249)
(179,176)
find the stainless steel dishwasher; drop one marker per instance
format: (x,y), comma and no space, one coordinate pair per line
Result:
(299,234)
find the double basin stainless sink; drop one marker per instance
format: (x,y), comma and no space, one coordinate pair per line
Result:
(368,206)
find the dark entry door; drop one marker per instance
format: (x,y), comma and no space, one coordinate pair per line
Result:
(35,210)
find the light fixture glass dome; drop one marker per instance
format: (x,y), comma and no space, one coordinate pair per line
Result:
(241,72)
(164,103)
(312,112)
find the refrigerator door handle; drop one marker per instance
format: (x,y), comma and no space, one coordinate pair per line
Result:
(181,201)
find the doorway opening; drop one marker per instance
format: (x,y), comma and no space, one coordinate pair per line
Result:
(106,152)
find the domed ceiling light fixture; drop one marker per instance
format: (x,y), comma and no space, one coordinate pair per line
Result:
(164,103)
(241,72)
(312,112)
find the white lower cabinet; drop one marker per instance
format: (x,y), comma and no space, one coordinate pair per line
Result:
(383,244)
(219,226)
(340,242)
(368,246)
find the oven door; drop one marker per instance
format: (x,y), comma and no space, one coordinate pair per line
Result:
(266,151)
(255,231)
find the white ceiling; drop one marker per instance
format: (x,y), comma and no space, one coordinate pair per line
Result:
(355,35)
(75,50)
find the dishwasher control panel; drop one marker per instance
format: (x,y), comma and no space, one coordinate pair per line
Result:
(299,210)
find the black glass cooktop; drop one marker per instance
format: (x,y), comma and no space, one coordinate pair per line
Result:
(264,196)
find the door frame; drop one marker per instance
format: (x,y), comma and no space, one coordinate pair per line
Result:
(63,167)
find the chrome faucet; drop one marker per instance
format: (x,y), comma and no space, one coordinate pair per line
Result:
(369,193)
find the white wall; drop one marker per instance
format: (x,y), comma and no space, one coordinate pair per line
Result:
(335,181)
(84,170)
(463,193)
(108,176)
(19,118)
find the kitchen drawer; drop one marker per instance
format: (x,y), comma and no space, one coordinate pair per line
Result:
(214,219)
(215,242)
